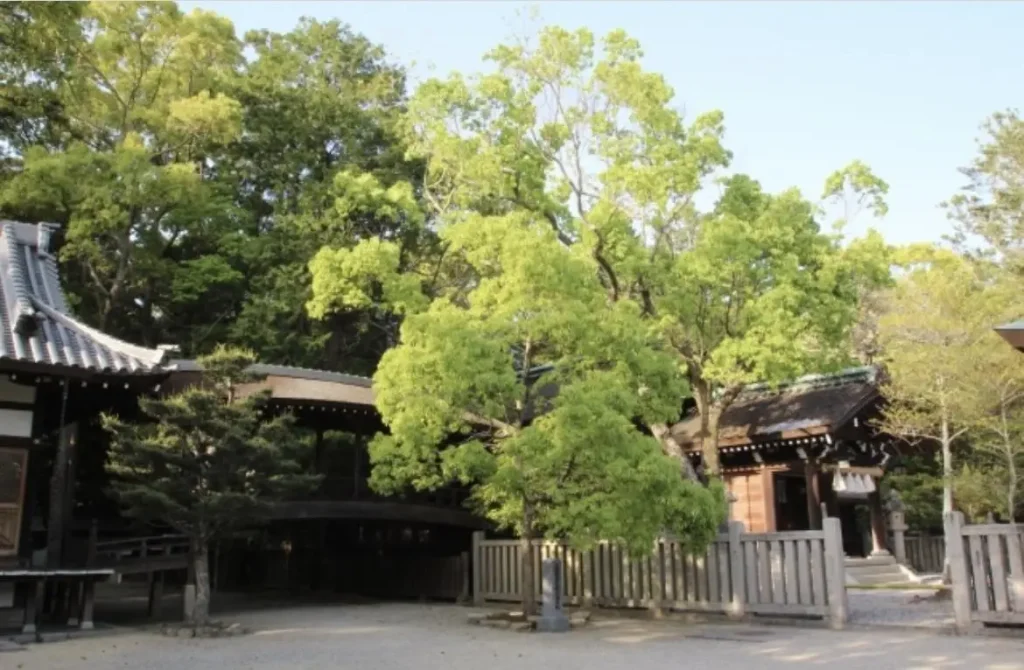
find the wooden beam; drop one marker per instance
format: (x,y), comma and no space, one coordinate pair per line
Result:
(369,509)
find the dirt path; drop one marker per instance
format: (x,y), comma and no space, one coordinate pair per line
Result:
(387,637)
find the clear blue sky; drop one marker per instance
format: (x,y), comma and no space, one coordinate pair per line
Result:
(805,87)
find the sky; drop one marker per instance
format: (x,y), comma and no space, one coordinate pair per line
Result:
(806,87)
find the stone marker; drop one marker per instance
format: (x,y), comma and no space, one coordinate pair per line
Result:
(552,618)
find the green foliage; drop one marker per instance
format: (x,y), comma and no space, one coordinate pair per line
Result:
(207,461)
(570,464)
(990,208)
(571,134)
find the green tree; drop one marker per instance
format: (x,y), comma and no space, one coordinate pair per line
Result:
(990,208)
(34,54)
(527,387)
(142,101)
(207,462)
(938,320)
(573,134)
(319,103)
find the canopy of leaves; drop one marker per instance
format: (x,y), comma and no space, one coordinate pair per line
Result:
(571,134)
(560,454)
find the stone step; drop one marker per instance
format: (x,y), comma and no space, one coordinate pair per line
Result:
(877,580)
(870,561)
(880,569)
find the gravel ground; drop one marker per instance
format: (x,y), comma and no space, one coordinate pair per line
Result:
(399,636)
(916,608)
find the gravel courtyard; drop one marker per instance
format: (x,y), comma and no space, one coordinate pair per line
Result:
(399,636)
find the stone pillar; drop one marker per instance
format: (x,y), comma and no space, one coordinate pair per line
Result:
(552,617)
(898,525)
(878,541)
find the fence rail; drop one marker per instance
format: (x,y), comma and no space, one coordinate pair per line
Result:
(987,568)
(792,573)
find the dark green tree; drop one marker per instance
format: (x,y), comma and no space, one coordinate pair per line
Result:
(210,461)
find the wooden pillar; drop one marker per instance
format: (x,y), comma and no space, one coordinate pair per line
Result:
(156,594)
(879,546)
(55,530)
(768,479)
(813,481)
(74,602)
(88,601)
(32,599)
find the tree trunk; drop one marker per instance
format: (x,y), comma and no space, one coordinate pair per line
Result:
(528,588)
(200,614)
(947,468)
(673,449)
(710,413)
(1011,493)
(1011,467)
(709,444)
(947,488)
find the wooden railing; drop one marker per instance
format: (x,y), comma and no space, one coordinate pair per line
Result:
(986,563)
(141,554)
(792,573)
(341,488)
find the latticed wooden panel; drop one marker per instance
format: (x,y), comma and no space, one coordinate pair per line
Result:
(9,527)
(12,492)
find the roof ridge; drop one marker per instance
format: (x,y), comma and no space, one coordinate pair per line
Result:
(861,374)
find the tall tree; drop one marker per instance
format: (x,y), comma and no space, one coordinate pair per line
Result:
(143,100)
(573,134)
(36,40)
(990,209)
(319,102)
(526,387)
(207,462)
(937,317)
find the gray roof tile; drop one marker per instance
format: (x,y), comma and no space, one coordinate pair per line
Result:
(37,325)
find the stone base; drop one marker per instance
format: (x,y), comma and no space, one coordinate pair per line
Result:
(212,629)
(518,622)
(553,623)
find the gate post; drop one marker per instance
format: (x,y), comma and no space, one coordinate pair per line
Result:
(835,572)
(953,528)
(477,567)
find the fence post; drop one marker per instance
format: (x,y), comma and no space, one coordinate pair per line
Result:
(465,569)
(737,576)
(657,580)
(953,528)
(835,572)
(477,567)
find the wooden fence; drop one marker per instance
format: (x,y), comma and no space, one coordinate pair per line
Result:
(925,553)
(987,568)
(798,573)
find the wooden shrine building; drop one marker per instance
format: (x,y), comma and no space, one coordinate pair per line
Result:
(55,372)
(790,453)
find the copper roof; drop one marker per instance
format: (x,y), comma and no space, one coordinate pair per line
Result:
(810,406)
(36,325)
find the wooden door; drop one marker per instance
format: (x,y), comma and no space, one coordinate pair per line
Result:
(13,466)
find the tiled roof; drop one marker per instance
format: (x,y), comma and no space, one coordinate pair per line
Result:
(811,405)
(36,324)
(271,370)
